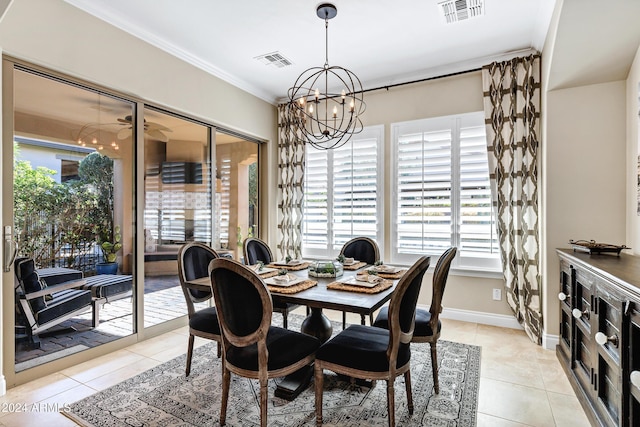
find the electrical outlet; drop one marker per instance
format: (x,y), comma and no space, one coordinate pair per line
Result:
(497,294)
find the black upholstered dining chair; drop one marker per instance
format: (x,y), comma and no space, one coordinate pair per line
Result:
(257,250)
(373,353)
(193,263)
(251,346)
(361,249)
(428,325)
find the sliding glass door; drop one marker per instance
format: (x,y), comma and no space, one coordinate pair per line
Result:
(72,213)
(96,205)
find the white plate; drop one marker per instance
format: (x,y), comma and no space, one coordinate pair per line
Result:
(350,263)
(264,269)
(353,282)
(386,269)
(293,281)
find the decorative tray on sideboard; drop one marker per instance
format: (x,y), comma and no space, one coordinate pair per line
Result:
(592,247)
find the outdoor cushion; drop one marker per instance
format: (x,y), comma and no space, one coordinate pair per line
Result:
(31,283)
(64,302)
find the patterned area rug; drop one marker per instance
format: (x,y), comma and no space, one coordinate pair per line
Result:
(162,396)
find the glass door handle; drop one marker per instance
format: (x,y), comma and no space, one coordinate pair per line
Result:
(10,248)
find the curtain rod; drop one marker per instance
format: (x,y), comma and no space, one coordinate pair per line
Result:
(387,87)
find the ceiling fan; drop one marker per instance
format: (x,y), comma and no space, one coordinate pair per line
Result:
(154,130)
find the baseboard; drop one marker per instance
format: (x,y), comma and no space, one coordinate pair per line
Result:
(549,341)
(502,320)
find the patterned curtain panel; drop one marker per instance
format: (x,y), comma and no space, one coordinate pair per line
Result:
(512,112)
(290,183)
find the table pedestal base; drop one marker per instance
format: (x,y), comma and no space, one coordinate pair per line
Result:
(319,326)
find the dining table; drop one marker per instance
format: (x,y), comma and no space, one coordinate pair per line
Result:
(332,293)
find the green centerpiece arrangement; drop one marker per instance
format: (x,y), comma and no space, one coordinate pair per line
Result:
(328,268)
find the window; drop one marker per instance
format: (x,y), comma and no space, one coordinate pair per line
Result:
(343,194)
(443,197)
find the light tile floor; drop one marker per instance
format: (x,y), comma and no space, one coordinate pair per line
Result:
(521,384)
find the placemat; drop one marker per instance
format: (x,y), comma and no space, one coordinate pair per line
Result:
(292,289)
(355,266)
(268,274)
(301,266)
(385,284)
(393,276)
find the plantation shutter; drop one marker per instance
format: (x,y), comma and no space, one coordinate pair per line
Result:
(355,203)
(315,213)
(424,192)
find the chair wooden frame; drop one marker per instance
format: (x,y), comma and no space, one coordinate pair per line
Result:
(376,251)
(257,337)
(190,299)
(440,275)
(284,308)
(396,337)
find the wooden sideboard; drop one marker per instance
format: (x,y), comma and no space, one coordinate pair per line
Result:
(599,345)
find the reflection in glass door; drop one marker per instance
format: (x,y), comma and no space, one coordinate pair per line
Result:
(177,207)
(72,213)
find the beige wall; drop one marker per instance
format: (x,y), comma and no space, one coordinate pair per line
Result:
(585,185)
(633,141)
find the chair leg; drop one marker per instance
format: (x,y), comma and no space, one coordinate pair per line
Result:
(434,367)
(219,349)
(226,382)
(319,384)
(189,355)
(391,402)
(362,317)
(344,320)
(407,384)
(285,320)
(263,402)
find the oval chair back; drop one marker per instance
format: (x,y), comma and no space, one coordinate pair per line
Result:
(193,263)
(251,346)
(361,249)
(256,250)
(402,307)
(440,275)
(243,301)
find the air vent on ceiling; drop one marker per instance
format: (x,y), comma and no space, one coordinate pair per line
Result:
(460,10)
(274,58)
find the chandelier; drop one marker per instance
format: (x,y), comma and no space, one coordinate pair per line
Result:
(325,103)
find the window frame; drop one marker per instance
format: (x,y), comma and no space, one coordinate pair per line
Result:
(369,132)
(467,262)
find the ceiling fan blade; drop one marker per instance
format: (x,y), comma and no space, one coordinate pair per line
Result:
(158,126)
(124,133)
(156,134)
